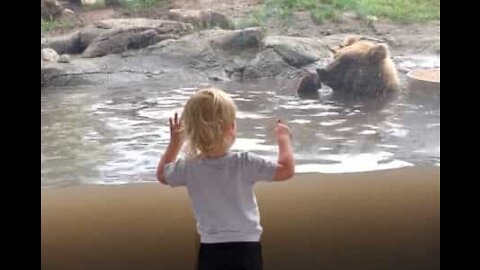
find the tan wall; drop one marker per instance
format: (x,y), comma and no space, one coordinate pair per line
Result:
(381,220)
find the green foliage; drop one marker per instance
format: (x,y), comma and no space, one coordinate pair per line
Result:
(333,10)
(53,24)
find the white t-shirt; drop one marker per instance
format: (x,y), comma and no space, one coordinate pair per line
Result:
(221,192)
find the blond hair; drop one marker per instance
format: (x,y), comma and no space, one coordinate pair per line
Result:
(206,118)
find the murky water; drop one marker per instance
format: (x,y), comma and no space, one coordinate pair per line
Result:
(115,135)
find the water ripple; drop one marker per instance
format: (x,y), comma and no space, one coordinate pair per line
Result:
(116,136)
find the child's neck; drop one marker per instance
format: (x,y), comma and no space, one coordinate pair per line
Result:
(219,151)
(216,154)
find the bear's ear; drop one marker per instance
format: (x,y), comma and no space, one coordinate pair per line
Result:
(349,41)
(378,53)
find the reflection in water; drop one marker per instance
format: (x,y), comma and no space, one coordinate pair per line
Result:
(116,135)
(73,142)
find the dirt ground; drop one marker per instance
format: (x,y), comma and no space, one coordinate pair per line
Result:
(232,8)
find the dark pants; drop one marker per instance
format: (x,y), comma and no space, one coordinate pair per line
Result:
(230,256)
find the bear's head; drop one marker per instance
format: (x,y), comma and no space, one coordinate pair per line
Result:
(361,68)
(308,85)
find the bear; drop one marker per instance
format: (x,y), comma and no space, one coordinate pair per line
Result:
(360,68)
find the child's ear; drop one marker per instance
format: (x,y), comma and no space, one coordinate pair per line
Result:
(231,127)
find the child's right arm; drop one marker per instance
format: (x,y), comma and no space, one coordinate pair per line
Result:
(173,148)
(285,164)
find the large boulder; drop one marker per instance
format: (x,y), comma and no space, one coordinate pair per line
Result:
(89,2)
(211,48)
(51,9)
(127,34)
(50,55)
(64,58)
(248,38)
(214,53)
(267,63)
(201,18)
(115,69)
(73,43)
(297,51)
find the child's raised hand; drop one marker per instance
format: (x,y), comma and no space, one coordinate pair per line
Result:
(175,130)
(282,130)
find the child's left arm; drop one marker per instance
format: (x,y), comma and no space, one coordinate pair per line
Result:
(173,148)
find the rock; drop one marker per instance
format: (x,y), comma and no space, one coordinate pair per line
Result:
(73,43)
(89,2)
(213,54)
(115,70)
(50,55)
(230,41)
(87,35)
(68,13)
(118,35)
(119,40)
(63,44)
(142,22)
(126,34)
(247,38)
(64,58)
(326,32)
(266,64)
(211,49)
(297,51)
(201,18)
(51,9)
